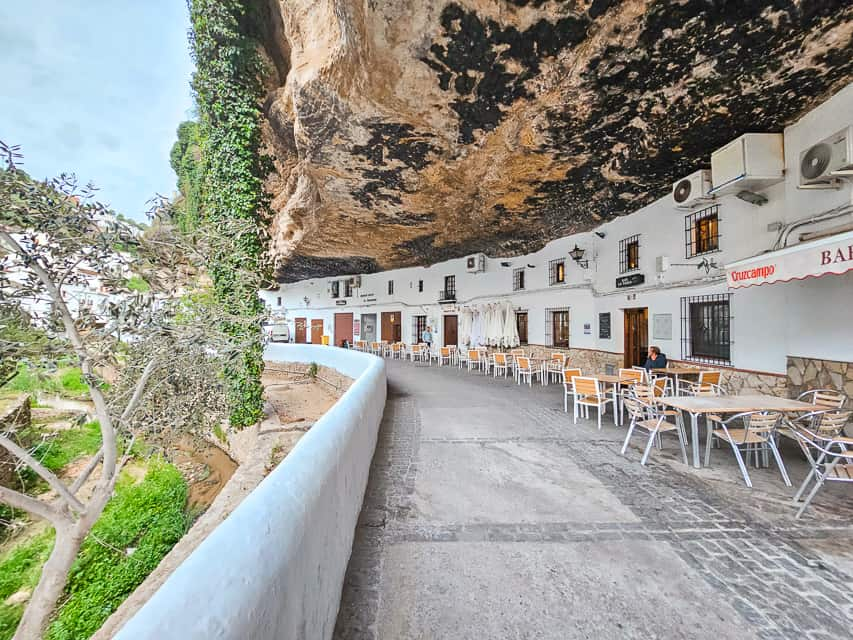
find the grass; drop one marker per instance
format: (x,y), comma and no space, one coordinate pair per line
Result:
(67,381)
(137,283)
(148,517)
(68,445)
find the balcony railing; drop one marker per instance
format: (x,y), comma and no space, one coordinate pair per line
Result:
(447,295)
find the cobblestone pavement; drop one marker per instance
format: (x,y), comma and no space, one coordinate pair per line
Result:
(488,514)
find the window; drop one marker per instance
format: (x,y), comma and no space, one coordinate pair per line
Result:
(279,301)
(629,254)
(557,327)
(518,279)
(347,288)
(521,324)
(557,271)
(335,289)
(706,328)
(390,287)
(419,324)
(420,286)
(450,287)
(702,232)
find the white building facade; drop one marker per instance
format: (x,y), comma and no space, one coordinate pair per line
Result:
(655,277)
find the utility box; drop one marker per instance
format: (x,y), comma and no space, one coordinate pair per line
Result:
(752,162)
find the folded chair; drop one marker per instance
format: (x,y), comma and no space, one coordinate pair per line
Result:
(647,417)
(831,460)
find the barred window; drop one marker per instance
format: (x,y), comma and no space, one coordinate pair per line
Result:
(348,288)
(521,325)
(517,279)
(449,287)
(420,286)
(629,254)
(390,287)
(419,324)
(702,232)
(336,288)
(557,271)
(279,301)
(706,324)
(557,327)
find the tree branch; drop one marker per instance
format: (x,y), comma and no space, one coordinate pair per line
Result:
(31,505)
(138,390)
(54,482)
(84,475)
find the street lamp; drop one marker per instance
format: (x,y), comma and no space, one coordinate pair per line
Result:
(577,255)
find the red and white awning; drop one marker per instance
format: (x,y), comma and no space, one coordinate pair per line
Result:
(827,256)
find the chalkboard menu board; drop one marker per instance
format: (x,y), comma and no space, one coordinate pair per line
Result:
(604,326)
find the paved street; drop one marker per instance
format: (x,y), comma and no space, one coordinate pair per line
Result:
(490,515)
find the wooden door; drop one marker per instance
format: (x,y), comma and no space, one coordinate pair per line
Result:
(451,330)
(316,332)
(301,325)
(343,328)
(636,336)
(392,329)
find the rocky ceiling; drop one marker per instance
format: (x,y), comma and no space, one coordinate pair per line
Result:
(405,132)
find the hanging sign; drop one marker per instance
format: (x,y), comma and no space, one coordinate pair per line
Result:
(340,303)
(630,281)
(604,326)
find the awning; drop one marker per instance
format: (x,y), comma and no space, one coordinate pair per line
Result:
(827,256)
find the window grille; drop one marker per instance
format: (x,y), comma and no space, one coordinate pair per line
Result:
(347,288)
(336,289)
(450,287)
(557,327)
(706,325)
(518,279)
(557,271)
(629,254)
(390,287)
(521,325)
(419,324)
(702,232)
(420,286)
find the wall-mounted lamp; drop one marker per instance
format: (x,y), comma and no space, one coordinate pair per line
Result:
(506,264)
(531,266)
(601,234)
(577,255)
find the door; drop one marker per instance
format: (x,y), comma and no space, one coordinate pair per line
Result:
(301,325)
(316,332)
(560,329)
(392,329)
(451,330)
(636,336)
(368,327)
(343,328)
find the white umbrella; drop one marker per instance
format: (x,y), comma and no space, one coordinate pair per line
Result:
(477,327)
(465,328)
(510,328)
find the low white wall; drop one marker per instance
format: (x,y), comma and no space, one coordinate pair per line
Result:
(275,567)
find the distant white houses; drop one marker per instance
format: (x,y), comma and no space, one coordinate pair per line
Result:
(750,277)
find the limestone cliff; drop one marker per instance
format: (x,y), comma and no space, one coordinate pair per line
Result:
(410,131)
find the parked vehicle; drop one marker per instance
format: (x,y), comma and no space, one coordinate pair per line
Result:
(279,332)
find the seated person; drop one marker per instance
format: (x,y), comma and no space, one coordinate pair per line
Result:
(655,359)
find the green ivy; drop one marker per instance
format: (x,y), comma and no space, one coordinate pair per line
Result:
(221,173)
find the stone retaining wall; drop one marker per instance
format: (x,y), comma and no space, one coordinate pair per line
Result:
(14,414)
(811,373)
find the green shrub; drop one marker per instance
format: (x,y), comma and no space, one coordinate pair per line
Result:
(148,517)
(68,445)
(31,380)
(137,283)
(313,370)
(20,568)
(72,383)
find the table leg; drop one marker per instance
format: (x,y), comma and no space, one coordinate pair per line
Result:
(616,404)
(694,438)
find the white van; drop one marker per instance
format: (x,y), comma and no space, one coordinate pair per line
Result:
(279,332)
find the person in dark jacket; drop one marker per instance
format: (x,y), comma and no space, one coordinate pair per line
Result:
(655,359)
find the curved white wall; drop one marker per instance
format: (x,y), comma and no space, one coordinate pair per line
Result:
(275,567)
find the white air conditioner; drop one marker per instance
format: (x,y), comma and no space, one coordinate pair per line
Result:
(822,164)
(331,289)
(692,191)
(661,264)
(475,263)
(752,163)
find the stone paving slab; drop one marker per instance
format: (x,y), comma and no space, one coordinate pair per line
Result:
(488,514)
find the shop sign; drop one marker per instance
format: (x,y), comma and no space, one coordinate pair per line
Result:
(630,280)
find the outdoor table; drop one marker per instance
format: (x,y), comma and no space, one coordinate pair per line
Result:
(695,405)
(616,384)
(677,371)
(537,362)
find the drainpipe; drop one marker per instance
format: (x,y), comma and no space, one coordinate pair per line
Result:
(837,212)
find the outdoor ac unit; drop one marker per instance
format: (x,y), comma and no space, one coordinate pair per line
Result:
(752,162)
(330,289)
(661,264)
(355,281)
(692,191)
(476,263)
(822,164)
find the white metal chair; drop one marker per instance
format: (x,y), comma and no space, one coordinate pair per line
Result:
(568,386)
(524,369)
(444,356)
(500,364)
(462,358)
(588,393)
(642,370)
(831,461)
(707,380)
(824,398)
(752,430)
(554,367)
(475,360)
(648,418)
(636,376)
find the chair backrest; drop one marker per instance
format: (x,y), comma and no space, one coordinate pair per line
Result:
(396,346)
(708,389)
(586,386)
(500,359)
(643,372)
(831,423)
(374,345)
(637,409)
(416,348)
(568,374)
(523,363)
(632,374)
(444,351)
(828,398)
(516,352)
(473,354)
(661,385)
(763,422)
(643,392)
(558,357)
(710,377)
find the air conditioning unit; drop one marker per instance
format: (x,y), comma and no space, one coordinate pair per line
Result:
(751,163)
(355,281)
(822,164)
(662,264)
(476,263)
(333,289)
(692,191)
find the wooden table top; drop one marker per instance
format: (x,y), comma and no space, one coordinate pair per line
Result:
(679,370)
(613,379)
(734,404)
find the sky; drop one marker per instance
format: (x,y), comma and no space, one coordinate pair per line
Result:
(97,88)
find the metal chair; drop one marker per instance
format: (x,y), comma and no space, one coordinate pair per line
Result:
(707,380)
(568,386)
(524,369)
(555,366)
(588,393)
(475,360)
(752,430)
(636,376)
(648,418)
(444,355)
(833,462)
(500,363)
(642,370)
(825,398)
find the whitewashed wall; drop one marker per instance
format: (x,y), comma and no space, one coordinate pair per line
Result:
(809,318)
(275,567)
